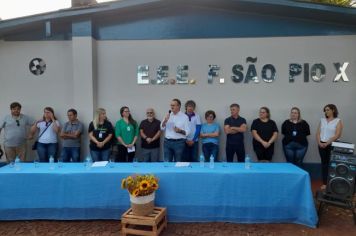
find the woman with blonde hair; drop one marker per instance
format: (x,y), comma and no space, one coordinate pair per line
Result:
(100,135)
(295,142)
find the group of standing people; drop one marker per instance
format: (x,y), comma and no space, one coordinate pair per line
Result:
(103,135)
(182,132)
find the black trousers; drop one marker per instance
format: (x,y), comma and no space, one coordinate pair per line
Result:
(325,161)
(123,155)
(231,149)
(262,153)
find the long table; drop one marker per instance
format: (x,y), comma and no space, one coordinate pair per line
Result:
(266,193)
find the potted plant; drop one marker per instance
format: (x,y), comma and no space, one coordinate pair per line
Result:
(142,192)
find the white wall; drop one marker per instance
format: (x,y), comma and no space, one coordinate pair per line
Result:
(117,63)
(53,88)
(117,86)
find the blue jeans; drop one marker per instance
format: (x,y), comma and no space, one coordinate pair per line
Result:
(150,155)
(210,149)
(174,149)
(295,153)
(101,155)
(70,153)
(45,150)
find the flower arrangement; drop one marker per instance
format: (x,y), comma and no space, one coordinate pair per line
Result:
(140,185)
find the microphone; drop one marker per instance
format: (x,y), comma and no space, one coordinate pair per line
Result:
(166,118)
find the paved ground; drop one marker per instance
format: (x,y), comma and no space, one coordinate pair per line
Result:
(335,221)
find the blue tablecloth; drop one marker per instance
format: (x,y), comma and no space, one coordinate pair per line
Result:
(266,193)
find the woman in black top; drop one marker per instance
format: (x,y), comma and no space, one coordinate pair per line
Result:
(295,143)
(264,132)
(100,134)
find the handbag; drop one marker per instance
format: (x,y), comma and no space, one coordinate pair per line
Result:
(35,144)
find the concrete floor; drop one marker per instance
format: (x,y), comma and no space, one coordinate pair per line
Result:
(335,221)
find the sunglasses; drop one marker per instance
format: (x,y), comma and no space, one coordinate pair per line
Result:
(17,122)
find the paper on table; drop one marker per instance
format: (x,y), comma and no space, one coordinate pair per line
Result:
(131,149)
(182,164)
(99,164)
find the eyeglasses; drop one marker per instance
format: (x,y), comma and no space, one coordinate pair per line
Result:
(149,113)
(17,122)
(126,111)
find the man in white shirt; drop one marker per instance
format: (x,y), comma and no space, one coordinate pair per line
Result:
(176,125)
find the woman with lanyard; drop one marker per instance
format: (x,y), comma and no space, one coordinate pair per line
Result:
(49,128)
(100,134)
(295,143)
(329,130)
(126,132)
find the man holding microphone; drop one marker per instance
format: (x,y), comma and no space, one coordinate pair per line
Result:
(176,125)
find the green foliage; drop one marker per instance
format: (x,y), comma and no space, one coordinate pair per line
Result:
(343,3)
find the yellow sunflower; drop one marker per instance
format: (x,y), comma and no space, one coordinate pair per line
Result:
(154,185)
(129,180)
(135,192)
(144,185)
(123,183)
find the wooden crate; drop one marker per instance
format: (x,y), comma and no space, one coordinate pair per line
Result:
(150,225)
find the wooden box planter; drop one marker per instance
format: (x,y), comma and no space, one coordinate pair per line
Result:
(150,225)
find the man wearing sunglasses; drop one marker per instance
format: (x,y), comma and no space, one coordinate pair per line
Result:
(15,132)
(150,132)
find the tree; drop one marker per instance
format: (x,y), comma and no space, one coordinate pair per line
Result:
(343,3)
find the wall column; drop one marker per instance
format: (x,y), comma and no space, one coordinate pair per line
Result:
(84,75)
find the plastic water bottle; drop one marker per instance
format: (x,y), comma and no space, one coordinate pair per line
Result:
(12,164)
(165,162)
(51,162)
(60,162)
(88,162)
(111,162)
(247,162)
(36,162)
(211,162)
(201,160)
(17,163)
(224,161)
(135,162)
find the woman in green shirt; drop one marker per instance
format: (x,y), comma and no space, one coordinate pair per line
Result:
(126,132)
